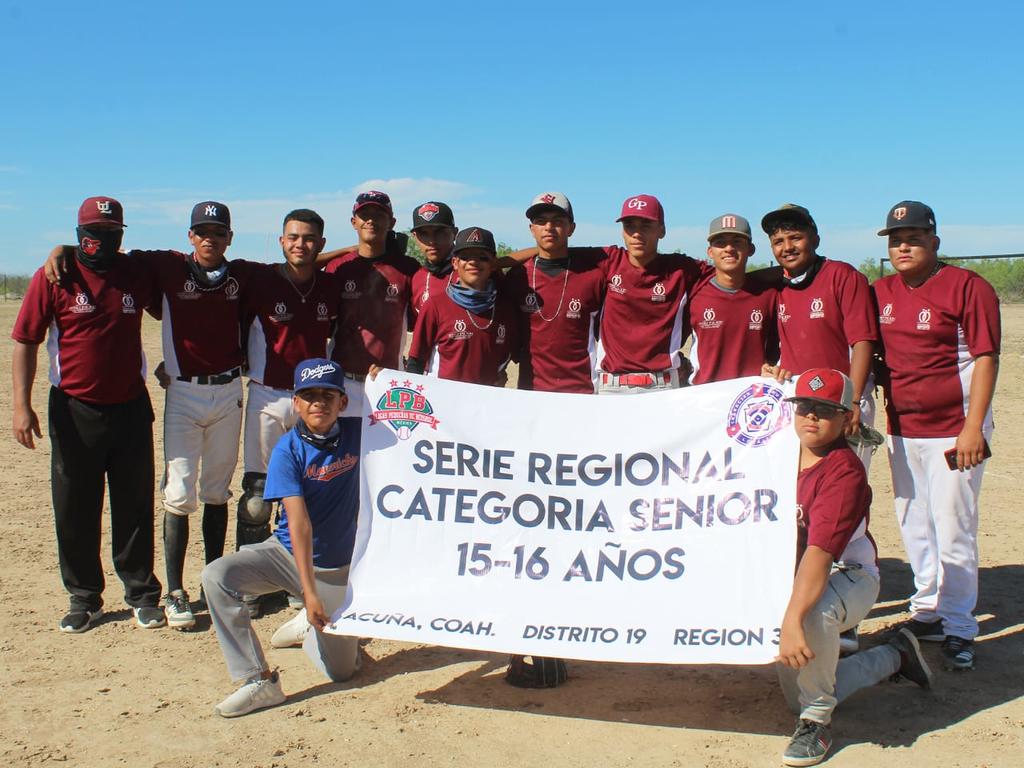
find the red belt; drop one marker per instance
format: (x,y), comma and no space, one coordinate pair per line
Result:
(637,379)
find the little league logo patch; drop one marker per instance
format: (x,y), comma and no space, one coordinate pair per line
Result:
(403,409)
(428,211)
(757,414)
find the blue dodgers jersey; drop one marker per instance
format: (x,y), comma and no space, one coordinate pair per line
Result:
(328,479)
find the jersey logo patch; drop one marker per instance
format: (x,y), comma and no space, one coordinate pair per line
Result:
(658,292)
(817,308)
(575,305)
(924,320)
(756,319)
(616,284)
(887,317)
(82,304)
(403,409)
(128,304)
(757,414)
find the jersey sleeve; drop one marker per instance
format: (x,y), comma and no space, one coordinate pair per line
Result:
(980,319)
(37,311)
(837,507)
(860,318)
(424,334)
(284,472)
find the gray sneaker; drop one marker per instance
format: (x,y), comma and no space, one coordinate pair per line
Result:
(149,616)
(912,663)
(257,693)
(810,743)
(958,652)
(178,611)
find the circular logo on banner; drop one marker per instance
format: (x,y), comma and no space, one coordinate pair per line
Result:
(756,414)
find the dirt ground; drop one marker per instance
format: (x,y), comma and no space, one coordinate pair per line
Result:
(120,695)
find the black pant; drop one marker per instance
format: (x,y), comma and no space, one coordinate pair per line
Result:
(91,442)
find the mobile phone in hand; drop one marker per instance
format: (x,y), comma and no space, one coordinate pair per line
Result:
(951,456)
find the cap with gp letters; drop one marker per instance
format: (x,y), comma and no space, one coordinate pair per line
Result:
(643,207)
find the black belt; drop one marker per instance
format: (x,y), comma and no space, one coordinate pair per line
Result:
(217,378)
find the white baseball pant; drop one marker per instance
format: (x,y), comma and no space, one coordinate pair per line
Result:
(202,423)
(269,414)
(937,511)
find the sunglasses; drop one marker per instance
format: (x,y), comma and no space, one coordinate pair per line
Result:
(821,410)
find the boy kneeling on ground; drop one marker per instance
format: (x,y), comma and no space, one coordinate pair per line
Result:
(836,581)
(314,474)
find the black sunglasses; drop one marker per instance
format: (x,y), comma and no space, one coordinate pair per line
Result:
(821,410)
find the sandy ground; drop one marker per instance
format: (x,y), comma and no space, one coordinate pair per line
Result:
(120,695)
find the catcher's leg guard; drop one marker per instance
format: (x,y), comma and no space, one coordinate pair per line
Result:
(253,524)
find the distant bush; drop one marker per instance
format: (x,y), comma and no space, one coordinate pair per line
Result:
(13,286)
(1005,275)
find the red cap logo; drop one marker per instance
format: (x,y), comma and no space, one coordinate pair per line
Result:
(427,211)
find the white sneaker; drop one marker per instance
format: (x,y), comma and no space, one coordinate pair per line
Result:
(178,611)
(257,693)
(292,632)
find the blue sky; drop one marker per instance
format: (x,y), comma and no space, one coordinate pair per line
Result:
(713,107)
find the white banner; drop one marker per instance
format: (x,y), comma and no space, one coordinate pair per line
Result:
(646,528)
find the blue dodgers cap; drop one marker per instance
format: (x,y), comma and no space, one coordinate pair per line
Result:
(319,373)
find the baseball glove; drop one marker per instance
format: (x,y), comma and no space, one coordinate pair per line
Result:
(867,436)
(539,672)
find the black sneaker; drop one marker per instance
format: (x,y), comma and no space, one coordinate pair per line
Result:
(959,652)
(929,631)
(150,616)
(79,620)
(912,663)
(810,743)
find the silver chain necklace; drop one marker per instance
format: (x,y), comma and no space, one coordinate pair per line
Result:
(481,327)
(302,296)
(561,298)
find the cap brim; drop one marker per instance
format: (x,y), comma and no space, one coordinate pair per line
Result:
(378,205)
(818,400)
(739,232)
(426,224)
(319,385)
(533,210)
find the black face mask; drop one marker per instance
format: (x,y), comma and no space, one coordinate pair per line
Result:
(439,270)
(801,282)
(97,248)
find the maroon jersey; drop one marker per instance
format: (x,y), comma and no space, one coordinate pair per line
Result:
(424,285)
(734,332)
(374,310)
(561,306)
(285,326)
(931,335)
(460,345)
(833,505)
(644,321)
(201,329)
(820,323)
(94,322)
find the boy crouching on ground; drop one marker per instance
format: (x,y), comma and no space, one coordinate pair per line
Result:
(836,579)
(314,474)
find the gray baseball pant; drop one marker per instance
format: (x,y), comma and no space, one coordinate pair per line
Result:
(264,568)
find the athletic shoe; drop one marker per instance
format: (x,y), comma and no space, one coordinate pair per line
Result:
(959,652)
(79,620)
(257,693)
(849,643)
(912,663)
(810,743)
(150,616)
(929,631)
(177,609)
(292,632)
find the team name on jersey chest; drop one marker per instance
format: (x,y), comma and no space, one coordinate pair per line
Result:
(282,315)
(815,311)
(190,290)
(657,292)
(923,322)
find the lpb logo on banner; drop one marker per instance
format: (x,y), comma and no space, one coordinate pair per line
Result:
(403,409)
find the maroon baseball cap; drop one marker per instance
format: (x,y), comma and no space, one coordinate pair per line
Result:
(824,385)
(96,210)
(373,197)
(643,207)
